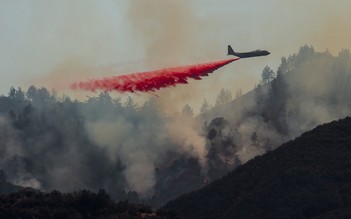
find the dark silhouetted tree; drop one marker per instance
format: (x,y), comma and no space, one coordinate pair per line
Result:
(32,93)
(17,95)
(267,75)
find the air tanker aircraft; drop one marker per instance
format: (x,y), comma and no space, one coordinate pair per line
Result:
(247,54)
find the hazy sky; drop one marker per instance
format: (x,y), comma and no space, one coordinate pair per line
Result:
(54,43)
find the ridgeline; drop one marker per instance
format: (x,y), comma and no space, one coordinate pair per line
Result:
(308,177)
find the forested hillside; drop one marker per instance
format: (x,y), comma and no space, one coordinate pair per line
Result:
(309,88)
(81,204)
(136,152)
(308,177)
(49,142)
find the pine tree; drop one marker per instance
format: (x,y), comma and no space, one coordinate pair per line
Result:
(205,106)
(267,75)
(187,111)
(225,96)
(130,104)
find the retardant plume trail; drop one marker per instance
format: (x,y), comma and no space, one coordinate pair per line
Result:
(152,80)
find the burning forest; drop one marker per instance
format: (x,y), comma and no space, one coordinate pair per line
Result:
(136,152)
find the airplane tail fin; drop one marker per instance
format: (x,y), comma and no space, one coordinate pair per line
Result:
(230,51)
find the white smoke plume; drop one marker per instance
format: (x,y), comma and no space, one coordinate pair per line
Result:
(142,143)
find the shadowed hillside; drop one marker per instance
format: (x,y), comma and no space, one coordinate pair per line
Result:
(304,178)
(139,153)
(81,204)
(309,88)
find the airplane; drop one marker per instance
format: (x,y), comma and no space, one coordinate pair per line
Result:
(247,54)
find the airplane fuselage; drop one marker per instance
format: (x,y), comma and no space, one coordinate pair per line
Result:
(247,54)
(252,54)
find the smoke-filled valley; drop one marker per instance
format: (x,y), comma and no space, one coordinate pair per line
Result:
(141,154)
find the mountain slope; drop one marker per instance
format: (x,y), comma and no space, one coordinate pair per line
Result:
(80,204)
(303,178)
(311,88)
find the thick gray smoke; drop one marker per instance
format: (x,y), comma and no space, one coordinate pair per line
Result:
(141,138)
(10,150)
(48,142)
(311,88)
(52,143)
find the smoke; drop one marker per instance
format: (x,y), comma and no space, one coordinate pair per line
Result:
(173,33)
(182,132)
(39,38)
(9,135)
(142,138)
(167,29)
(153,80)
(11,150)
(81,42)
(105,143)
(135,146)
(27,180)
(249,148)
(325,98)
(311,89)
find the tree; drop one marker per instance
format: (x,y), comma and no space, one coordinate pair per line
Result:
(130,104)
(306,53)
(41,95)
(267,75)
(16,94)
(12,93)
(32,92)
(344,54)
(19,94)
(284,66)
(205,106)
(225,96)
(105,99)
(187,111)
(117,104)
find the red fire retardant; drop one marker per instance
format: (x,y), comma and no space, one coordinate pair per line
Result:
(152,80)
